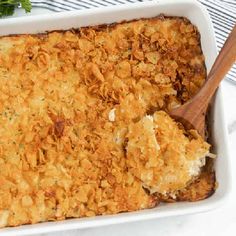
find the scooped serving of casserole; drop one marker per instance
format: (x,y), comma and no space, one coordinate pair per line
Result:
(84,125)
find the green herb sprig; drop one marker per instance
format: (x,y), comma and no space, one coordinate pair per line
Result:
(7,7)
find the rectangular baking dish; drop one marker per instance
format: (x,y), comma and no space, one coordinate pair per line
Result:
(198,15)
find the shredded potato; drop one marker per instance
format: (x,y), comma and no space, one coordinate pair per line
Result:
(68,101)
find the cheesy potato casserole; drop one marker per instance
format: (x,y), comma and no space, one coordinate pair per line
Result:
(84,125)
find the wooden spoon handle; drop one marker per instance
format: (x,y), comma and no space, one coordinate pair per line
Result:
(222,65)
(192,113)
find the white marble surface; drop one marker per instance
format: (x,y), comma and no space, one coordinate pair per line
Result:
(217,222)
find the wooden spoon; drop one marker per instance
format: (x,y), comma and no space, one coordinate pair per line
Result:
(192,114)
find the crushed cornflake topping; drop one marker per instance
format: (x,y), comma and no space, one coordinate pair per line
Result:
(61,153)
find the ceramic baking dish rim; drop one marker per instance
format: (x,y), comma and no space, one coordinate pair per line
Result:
(171,210)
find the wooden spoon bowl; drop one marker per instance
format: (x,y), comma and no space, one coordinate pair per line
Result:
(193,113)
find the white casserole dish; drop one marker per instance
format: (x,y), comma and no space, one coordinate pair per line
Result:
(198,16)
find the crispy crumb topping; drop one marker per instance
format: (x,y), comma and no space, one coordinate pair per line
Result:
(66,102)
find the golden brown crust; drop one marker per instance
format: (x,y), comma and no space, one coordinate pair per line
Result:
(66,99)
(203,187)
